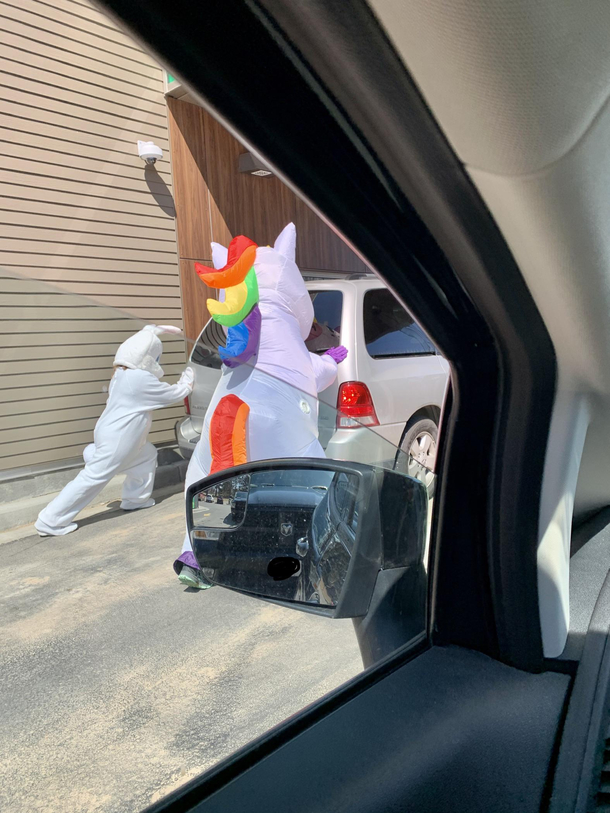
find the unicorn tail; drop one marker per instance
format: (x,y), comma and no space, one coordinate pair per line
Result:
(228,433)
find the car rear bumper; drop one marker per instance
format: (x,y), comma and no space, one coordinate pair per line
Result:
(187,436)
(361,445)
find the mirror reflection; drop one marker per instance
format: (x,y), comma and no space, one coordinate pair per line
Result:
(222,505)
(285,534)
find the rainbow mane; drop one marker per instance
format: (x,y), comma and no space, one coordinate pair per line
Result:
(239,312)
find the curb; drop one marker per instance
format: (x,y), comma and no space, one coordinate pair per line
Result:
(22,500)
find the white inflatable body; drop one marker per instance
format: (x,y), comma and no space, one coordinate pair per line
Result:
(119,438)
(280,382)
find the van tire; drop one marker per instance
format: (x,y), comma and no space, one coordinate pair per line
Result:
(427,430)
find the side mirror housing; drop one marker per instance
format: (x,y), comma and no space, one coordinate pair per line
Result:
(311,534)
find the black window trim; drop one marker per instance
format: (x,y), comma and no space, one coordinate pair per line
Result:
(401,355)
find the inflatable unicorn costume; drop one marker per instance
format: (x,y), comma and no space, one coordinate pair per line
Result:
(265,404)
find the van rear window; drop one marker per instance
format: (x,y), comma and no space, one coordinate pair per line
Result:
(205,352)
(389,331)
(326,330)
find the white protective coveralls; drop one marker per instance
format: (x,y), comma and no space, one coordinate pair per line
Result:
(281,381)
(119,438)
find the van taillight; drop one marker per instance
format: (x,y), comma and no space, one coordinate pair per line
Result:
(187,405)
(355,406)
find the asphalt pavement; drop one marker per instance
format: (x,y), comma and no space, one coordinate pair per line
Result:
(118,684)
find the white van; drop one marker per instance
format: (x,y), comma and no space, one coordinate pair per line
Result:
(389,391)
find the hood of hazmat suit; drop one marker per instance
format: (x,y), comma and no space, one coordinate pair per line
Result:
(142,351)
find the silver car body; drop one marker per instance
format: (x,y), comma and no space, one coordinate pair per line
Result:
(403,388)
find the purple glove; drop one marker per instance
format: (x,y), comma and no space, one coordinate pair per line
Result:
(337,354)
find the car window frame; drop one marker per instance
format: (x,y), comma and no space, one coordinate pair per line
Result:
(456,272)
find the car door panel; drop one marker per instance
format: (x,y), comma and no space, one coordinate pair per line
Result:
(581,774)
(451,730)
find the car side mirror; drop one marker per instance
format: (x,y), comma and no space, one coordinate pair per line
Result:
(307,533)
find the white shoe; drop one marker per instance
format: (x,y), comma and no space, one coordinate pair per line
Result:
(193,578)
(132,506)
(45,530)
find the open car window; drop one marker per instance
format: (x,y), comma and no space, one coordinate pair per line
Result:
(146,644)
(120,682)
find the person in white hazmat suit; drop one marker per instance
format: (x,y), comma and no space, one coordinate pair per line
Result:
(266,402)
(119,438)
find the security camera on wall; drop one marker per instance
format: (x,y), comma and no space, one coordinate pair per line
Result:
(149,152)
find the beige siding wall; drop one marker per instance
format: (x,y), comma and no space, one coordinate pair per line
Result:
(87,234)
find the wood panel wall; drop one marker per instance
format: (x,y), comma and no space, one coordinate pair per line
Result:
(87,234)
(215,202)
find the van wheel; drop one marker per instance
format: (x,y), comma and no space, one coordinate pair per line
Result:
(417,454)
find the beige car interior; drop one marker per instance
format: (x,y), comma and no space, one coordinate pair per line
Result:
(521,90)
